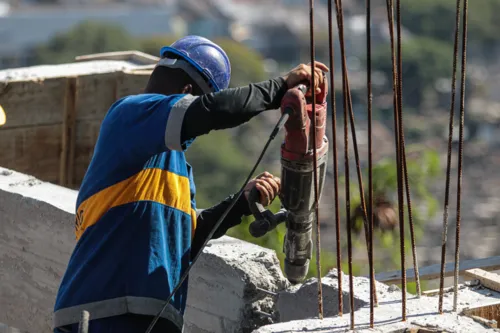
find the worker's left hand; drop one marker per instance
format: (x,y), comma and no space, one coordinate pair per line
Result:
(268,186)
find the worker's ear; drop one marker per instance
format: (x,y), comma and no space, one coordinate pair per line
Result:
(188,89)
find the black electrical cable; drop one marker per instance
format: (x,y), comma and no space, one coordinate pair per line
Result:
(281,122)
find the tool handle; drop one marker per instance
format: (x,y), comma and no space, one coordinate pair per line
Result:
(265,220)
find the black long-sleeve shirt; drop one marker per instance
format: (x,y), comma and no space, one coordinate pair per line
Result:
(226,109)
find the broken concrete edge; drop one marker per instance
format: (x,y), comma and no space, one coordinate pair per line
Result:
(31,187)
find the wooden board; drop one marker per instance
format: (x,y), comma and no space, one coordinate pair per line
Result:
(33,103)
(34,151)
(432,272)
(487,279)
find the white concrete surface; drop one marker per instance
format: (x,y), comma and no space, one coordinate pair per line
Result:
(420,312)
(62,70)
(301,301)
(36,241)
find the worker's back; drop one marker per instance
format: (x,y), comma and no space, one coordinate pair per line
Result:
(135,217)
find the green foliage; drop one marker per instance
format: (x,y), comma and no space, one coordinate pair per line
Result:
(422,170)
(219,167)
(84,38)
(246,64)
(436,19)
(425,61)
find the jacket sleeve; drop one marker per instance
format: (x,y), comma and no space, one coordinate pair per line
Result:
(231,107)
(207,219)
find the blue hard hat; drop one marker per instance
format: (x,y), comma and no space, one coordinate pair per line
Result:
(208,58)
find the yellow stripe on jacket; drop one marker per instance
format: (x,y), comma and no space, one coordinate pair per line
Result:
(155,185)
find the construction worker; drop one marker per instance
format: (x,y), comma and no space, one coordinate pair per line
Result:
(137,226)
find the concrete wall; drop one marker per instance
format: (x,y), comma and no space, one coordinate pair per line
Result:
(36,240)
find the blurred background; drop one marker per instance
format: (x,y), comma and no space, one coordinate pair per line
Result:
(267,37)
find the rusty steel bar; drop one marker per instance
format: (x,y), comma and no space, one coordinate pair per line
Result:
(460,152)
(315,162)
(346,158)
(335,156)
(400,162)
(412,224)
(448,164)
(370,157)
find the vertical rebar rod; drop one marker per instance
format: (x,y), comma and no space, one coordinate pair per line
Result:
(346,160)
(335,156)
(370,158)
(412,224)
(315,162)
(448,164)
(400,163)
(460,152)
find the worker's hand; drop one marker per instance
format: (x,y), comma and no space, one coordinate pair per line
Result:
(268,186)
(303,74)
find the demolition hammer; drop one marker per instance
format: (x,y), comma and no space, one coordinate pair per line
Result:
(297,181)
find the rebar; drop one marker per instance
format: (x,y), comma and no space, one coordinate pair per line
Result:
(460,152)
(339,9)
(315,162)
(370,157)
(335,156)
(448,164)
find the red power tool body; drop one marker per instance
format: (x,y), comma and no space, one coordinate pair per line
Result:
(297,180)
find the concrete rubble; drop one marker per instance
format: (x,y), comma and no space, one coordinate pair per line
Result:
(421,312)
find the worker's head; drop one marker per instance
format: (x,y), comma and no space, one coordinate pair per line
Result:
(191,65)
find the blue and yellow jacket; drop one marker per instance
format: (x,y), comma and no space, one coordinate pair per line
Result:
(135,216)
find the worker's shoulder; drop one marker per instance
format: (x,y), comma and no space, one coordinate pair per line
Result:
(142,102)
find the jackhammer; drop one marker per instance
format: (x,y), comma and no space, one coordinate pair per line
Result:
(297,181)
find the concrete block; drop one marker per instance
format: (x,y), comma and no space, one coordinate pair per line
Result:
(202,321)
(224,284)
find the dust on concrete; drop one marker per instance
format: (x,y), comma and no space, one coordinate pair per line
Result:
(421,312)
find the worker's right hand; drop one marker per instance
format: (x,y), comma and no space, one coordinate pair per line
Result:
(303,74)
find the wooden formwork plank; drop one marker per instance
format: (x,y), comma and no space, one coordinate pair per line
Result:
(68,133)
(432,272)
(33,103)
(487,279)
(132,55)
(35,151)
